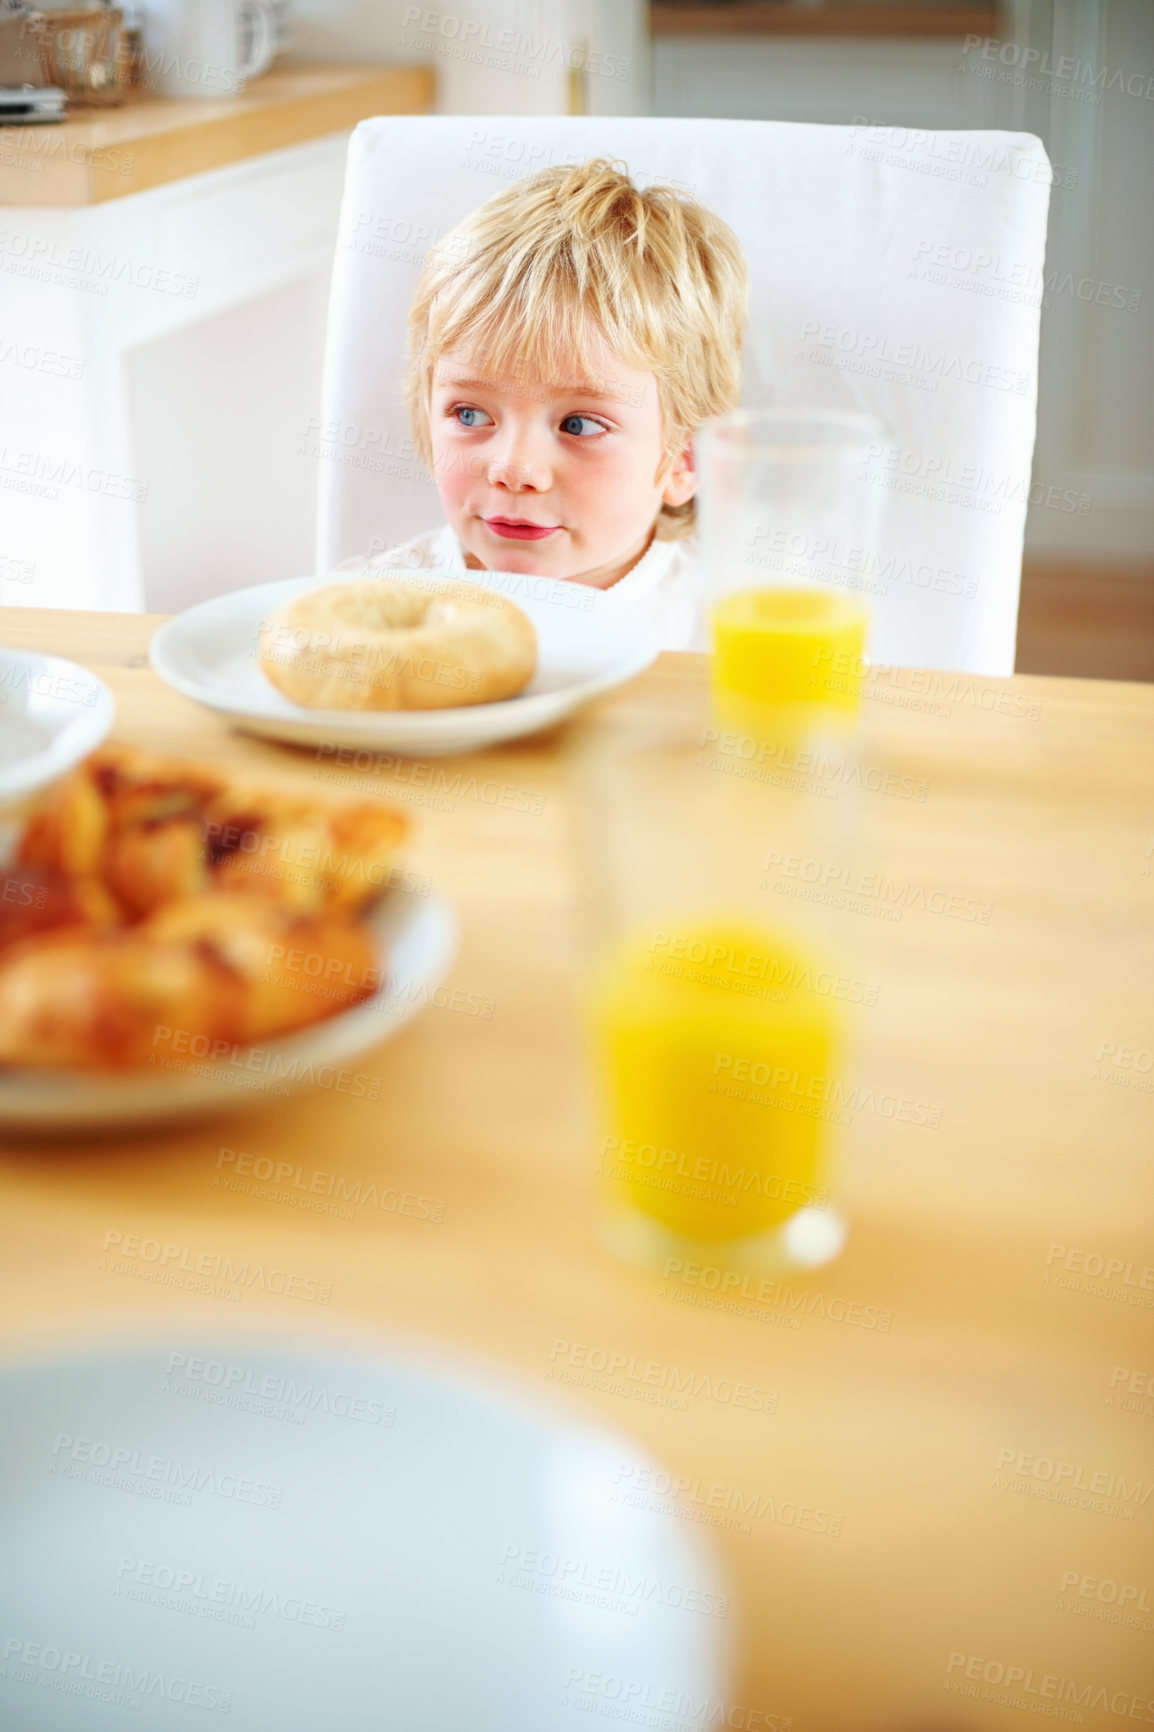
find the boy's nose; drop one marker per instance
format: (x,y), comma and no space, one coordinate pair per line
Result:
(518,476)
(520,466)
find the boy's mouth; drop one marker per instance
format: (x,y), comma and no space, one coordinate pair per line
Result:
(519,528)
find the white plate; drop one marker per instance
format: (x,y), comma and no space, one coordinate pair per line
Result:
(52,714)
(418,940)
(365,1544)
(588,641)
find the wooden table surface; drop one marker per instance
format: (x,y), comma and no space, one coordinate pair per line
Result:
(1002,1252)
(97,154)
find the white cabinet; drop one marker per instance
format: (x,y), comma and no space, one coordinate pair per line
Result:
(116,320)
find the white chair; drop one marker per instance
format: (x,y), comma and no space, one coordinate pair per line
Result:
(895,272)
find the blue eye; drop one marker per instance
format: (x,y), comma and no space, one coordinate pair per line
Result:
(576,423)
(470,417)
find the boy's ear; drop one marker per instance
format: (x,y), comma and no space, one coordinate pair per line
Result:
(681,479)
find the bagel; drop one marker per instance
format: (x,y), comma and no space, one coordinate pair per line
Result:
(386,644)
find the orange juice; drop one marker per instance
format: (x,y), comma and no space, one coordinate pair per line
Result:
(717,1046)
(782,651)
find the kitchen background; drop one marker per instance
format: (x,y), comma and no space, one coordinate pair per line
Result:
(223,410)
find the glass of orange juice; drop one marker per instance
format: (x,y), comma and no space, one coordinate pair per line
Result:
(790,512)
(719,1013)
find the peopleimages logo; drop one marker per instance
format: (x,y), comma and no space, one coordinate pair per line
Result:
(826,772)
(524,1566)
(1079,78)
(113,1681)
(131,1250)
(158,65)
(24,892)
(43,255)
(1135,1397)
(321,1192)
(1016,1686)
(133,1465)
(969,156)
(853,567)
(252,1066)
(876,356)
(475,40)
(1071,1483)
(709,1178)
(61,688)
(655,1375)
(781,1087)
(1093,1588)
(642,1703)
(238,1382)
(1077,1262)
(738,1285)
(649,1488)
(217,1598)
(743,965)
(852,884)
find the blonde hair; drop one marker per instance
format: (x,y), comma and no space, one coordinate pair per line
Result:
(534,275)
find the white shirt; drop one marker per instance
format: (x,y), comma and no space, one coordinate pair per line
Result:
(666,584)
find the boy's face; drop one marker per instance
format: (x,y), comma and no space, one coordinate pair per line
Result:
(559,478)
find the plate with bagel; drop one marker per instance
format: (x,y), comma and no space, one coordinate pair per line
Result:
(406,662)
(173,941)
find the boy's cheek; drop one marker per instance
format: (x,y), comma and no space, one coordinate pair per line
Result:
(453,473)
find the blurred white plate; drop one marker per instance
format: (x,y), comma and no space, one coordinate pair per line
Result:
(418,941)
(307,1540)
(209,654)
(52,714)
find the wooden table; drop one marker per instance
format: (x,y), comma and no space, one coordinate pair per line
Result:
(99,154)
(1007,1247)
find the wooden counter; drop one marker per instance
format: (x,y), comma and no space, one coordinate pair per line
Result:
(100,154)
(989,1321)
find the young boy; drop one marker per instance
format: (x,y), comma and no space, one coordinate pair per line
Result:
(565,342)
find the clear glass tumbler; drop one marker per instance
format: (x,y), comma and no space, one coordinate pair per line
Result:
(721,1005)
(789,526)
(720,1011)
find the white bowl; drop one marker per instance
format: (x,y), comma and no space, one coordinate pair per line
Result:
(308,1540)
(52,714)
(418,941)
(588,641)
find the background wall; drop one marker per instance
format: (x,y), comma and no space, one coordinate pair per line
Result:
(1095,419)
(1095,427)
(605,42)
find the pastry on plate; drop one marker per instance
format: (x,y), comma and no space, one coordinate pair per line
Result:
(153,829)
(155,901)
(204,975)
